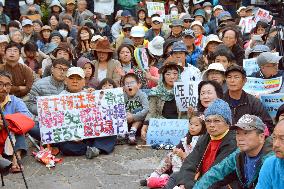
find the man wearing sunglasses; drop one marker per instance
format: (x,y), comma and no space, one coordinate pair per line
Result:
(156,28)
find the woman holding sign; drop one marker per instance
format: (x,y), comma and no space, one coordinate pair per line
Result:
(161,98)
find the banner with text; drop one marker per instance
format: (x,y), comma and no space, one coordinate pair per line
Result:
(272,102)
(78,116)
(250,66)
(262,14)
(186,94)
(247,24)
(156,8)
(166,131)
(258,86)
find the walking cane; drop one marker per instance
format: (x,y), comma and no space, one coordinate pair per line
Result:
(14,151)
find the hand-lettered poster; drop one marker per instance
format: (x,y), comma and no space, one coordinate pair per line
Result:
(166,131)
(186,94)
(272,102)
(250,66)
(156,8)
(259,86)
(77,116)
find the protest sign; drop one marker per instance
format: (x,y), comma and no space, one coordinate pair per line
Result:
(272,102)
(78,116)
(105,7)
(197,1)
(156,8)
(247,24)
(262,14)
(166,131)
(186,94)
(250,66)
(258,86)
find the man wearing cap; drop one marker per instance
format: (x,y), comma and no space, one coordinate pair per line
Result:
(28,30)
(268,63)
(117,26)
(126,29)
(241,102)
(22,75)
(84,12)
(176,30)
(70,10)
(156,28)
(244,164)
(47,86)
(187,20)
(213,24)
(207,7)
(137,35)
(193,51)
(271,173)
(75,83)
(102,26)
(211,148)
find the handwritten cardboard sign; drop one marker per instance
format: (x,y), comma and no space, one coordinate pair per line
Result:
(79,116)
(262,14)
(250,66)
(247,24)
(272,102)
(258,86)
(156,8)
(186,94)
(166,131)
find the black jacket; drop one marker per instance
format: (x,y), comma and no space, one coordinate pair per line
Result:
(249,105)
(239,54)
(193,160)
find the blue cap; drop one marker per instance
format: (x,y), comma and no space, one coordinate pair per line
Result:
(126,13)
(199,12)
(179,46)
(225,15)
(27,22)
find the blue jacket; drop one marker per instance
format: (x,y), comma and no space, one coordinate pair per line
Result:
(271,174)
(232,169)
(16,105)
(192,58)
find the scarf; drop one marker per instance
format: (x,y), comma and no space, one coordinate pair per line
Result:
(198,40)
(163,93)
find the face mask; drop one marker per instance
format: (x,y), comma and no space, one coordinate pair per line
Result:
(30,2)
(92,31)
(174,13)
(101,24)
(64,33)
(208,11)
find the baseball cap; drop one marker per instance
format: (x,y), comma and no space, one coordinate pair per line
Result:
(70,2)
(137,31)
(126,13)
(157,18)
(267,57)
(218,7)
(213,66)
(235,68)
(188,32)
(249,122)
(224,16)
(241,8)
(176,22)
(179,46)
(207,4)
(75,71)
(27,22)
(187,17)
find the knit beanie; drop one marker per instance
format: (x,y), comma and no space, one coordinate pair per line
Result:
(221,108)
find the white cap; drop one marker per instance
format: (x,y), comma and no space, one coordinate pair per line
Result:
(197,23)
(156,46)
(96,37)
(157,18)
(137,31)
(75,71)
(211,38)
(218,7)
(241,8)
(213,66)
(4,38)
(27,22)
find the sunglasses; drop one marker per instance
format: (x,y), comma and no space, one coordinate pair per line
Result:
(156,22)
(188,21)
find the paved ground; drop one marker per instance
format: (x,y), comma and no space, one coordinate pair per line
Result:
(122,169)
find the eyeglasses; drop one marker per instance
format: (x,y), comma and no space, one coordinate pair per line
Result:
(214,121)
(130,84)
(156,22)
(6,85)
(62,69)
(187,21)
